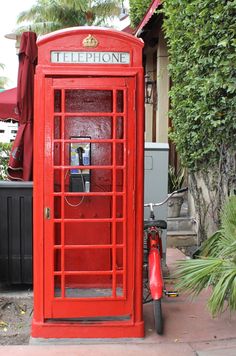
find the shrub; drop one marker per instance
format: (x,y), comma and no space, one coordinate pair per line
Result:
(5,149)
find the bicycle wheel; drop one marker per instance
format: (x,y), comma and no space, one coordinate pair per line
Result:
(158,316)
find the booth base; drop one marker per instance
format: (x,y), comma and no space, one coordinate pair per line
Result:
(84,341)
(109,330)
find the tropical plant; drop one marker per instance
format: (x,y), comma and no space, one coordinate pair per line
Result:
(5,149)
(215,266)
(50,15)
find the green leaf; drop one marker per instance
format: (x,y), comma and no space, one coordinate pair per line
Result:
(216,265)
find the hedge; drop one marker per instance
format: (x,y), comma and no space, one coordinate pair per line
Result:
(137,10)
(202,49)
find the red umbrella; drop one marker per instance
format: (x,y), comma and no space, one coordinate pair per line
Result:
(8,104)
(21,157)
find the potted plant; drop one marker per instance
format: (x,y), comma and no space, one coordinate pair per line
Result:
(175,182)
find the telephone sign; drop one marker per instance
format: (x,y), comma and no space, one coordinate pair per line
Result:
(90,57)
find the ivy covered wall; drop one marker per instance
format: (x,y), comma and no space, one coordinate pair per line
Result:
(201,37)
(137,10)
(202,48)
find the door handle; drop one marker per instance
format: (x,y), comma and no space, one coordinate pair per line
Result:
(47,213)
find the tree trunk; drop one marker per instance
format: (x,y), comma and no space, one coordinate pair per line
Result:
(210,189)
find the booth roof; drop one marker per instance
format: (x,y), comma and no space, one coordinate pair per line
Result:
(85,29)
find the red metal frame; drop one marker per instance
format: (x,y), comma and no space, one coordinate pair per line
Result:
(112,262)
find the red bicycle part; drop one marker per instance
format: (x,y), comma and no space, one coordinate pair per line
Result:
(155,239)
(155,274)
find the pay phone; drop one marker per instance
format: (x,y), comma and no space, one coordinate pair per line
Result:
(80,155)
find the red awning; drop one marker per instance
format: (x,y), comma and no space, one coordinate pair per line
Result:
(8,104)
(150,11)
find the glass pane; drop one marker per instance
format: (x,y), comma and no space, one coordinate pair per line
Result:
(120,101)
(88,286)
(88,233)
(57,154)
(119,233)
(119,154)
(57,286)
(57,207)
(119,259)
(101,180)
(88,259)
(87,207)
(119,127)
(57,180)
(57,234)
(57,127)
(57,260)
(57,100)
(93,180)
(119,180)
(101,154)
(88,100)
(85,153)
(94,127)
(119,283)
(119,207)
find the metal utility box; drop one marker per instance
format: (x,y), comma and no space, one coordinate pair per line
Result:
(156,181)
(88,184)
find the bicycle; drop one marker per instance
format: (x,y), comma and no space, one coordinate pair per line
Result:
(153,245)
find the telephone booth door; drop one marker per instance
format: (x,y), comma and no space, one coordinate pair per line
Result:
(89,230)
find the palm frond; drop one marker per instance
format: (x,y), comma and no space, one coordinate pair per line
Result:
(222,290)
(66,13)
(216,265)
(211,247)
(195,275)
(106,8)
(78,5)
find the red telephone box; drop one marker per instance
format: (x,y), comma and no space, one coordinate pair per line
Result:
(88,185)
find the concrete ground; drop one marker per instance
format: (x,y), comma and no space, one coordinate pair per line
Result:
(189,330)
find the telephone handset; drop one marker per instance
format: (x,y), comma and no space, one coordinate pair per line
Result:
(80,155)
(80,150)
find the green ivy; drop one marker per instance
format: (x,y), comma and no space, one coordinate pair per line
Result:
(137,10)
(202,48)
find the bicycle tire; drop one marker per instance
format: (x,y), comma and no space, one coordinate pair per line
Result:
(158,318)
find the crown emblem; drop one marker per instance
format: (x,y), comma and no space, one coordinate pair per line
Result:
(90,41)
